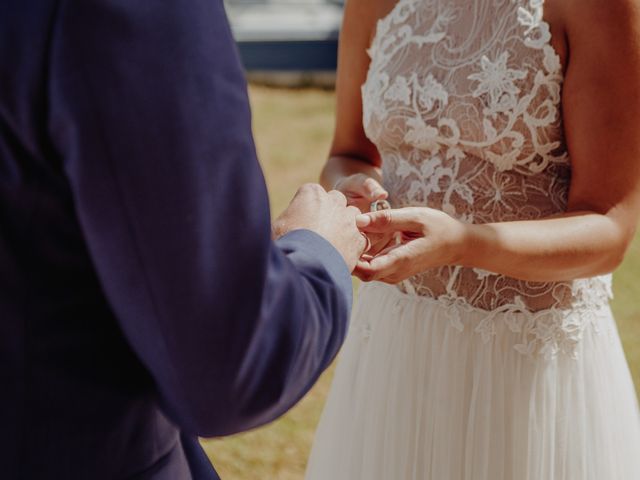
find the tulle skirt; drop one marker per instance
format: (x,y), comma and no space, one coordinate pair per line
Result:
(415,398)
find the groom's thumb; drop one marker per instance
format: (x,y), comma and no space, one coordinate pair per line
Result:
(363,221)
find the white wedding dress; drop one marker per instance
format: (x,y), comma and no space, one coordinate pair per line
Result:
(459,373)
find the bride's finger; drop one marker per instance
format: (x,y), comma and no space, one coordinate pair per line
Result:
(384,221)
(379,243)
(386,250)
(395,261)
(359,202)
(373,190)
(360,185)
(366,275)
(362,272)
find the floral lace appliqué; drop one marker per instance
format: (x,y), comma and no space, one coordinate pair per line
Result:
(463,101)
(497,82)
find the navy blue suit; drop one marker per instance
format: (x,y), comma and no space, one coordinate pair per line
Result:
(142,301)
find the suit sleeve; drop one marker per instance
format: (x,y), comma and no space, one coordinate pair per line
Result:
(149,113)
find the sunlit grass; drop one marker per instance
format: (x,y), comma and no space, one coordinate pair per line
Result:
(293,130)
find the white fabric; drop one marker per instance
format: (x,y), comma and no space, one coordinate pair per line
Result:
(416,399)
(458,373)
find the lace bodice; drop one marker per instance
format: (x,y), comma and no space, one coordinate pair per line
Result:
(462,100)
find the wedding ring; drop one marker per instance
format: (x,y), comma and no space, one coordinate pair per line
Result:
(368,244)
(380,205)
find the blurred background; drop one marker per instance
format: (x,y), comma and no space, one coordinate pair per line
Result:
(289,50)
(287,42)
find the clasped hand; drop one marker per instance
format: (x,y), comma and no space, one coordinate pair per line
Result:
(420,238)
(405,241)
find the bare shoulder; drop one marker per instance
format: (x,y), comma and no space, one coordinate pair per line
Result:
(603,9)
(363,15)
(374,9)
(607,21)
(381,8)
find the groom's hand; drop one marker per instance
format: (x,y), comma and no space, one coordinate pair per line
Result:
(327,214)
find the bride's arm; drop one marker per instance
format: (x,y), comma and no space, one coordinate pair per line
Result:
(352,154)
(601,106)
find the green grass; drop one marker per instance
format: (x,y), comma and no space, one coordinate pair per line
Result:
(293,130)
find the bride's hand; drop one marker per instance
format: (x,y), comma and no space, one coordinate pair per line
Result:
(429,239)
(361,191)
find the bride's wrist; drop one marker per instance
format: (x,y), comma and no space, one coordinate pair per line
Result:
(464,246)
(471,246)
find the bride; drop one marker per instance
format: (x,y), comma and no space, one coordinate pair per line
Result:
(504,134)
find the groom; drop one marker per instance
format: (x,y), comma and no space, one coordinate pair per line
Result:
(142,299)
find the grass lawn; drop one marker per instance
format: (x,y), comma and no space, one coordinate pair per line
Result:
(293,130)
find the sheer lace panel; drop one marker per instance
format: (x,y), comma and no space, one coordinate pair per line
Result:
(462,100)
